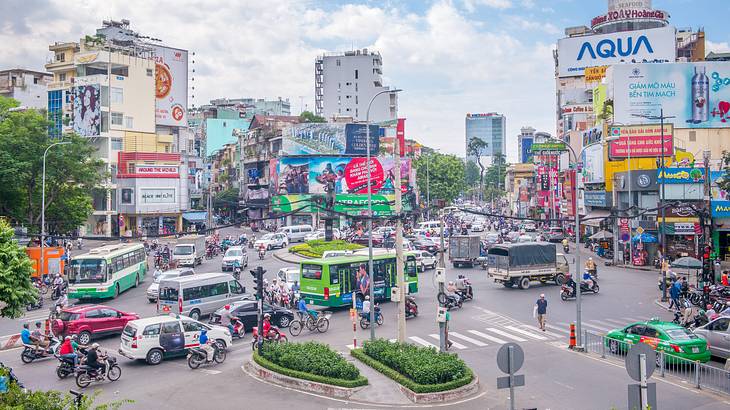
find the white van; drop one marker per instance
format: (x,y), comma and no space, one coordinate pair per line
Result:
(155,338)
(296,232)
(199,295)
(430,225)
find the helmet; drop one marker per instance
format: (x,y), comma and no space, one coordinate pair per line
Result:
(227,307)
(590,258)
(267,316)
(67,338)
(367,297)
(451,282)
(95,346)
(37,324)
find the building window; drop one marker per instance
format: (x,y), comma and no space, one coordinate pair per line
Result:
(117,95)
(339,86)
(356,74)
(62,77)
(150,73)
(338,62)
(693,136)
(339,99)
(60,57)
(117,118)
(355,87)
(35,80)
(355,99)
(129,123)
(116,142)
(347,96)
(356,114)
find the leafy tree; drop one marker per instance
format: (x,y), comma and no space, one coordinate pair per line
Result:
(19,399)
(472,174)
(16,289)
(475,148)
(308,116)
(446,176)
(71,172)
(228,199)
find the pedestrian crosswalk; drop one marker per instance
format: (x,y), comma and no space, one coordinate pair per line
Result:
(499,329)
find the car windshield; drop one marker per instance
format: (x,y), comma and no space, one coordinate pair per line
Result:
(267,237)
(87,271)
(234,252)
(183,250)
(680,334)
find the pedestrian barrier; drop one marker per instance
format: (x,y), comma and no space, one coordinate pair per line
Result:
(699,375)
(12,342)
(571,343)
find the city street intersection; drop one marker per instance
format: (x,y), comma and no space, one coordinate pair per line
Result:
(556,378)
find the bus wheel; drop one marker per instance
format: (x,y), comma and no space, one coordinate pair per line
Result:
(136,280)
(116,290)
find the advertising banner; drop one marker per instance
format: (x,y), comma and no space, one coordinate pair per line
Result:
(593,165)
(720,209)
(595,74)
(87,110)
(680,176)
(526,154)
(696,94)
(577,53)
(400,133)
(330,139)
(350,204)
(156,171)
(171,86)
(157,196)
(641,141)
(310,175)
(568,195)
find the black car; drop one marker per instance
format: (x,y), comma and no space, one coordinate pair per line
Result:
(246,311)
(425,245)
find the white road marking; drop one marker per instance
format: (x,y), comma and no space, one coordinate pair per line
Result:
(543,333)
(210,371)
(453,343)
(558,329)
(488,337)
(596,327)
(616,322)
(505,334)
(422,342)
(633,319)
(468,339)
(526,333)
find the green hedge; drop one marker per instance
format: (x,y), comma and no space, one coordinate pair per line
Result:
(422,370)
(315,249)
(360,381)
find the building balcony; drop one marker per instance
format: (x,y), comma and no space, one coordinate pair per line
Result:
(53,65)
(59,85)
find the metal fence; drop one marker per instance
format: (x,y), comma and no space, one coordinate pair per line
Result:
(699,375)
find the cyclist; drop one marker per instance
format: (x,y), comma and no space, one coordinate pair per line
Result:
(304,311)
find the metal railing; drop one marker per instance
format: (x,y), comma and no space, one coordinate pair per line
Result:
(699,375)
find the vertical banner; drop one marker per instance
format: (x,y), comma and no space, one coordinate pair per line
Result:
(400,132)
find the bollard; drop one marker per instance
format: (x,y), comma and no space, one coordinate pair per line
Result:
(697,374)
(571,343)
(585,341)
(661,361)
(603,348)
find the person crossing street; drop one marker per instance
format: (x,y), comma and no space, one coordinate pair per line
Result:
(541,311)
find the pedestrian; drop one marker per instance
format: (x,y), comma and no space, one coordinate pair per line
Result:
(540,311)
(446,330)
(674,292)
(724,278)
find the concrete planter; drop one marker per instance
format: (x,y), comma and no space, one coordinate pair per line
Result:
(444,396)
(329,390)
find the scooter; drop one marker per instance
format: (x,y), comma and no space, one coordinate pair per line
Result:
(365,318)
(29,354)
(38,304)
(449,302)
(85,375)
(262,254)
(411,307)
(566,292)
(238,329)
(198,356)
(278,336)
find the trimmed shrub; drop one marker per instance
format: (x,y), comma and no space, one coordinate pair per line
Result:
(315,249)
(360,381)
(311,357)
(421,364)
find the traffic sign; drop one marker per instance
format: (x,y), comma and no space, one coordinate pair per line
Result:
(633,364)
(639,230)
(518,358)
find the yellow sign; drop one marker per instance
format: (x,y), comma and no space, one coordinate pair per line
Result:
(86,58)
(680,219)
(595,74)
(639,230)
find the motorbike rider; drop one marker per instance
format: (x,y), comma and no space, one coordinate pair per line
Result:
(366,309)
(95,359)
(58,283)
(227,318)
(588,279)
(591,266)
(410,303)
(462,285)
(156,274)
(79,242)
(570,282)
(40,340)
(267,327)
(68,350)
(565,243)
(25,335)
(304,310)
(206,345)
(62,300)
(451,291)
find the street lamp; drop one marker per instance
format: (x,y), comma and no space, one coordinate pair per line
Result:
(428,185)
(370,212)
(577,237)
(43,208)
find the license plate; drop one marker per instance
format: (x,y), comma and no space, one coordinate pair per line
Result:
(695,350)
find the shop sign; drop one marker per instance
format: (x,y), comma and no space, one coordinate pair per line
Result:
(595,74)
(680,176)
(721,209)
(157,196)
(628,14)
(548,146)
(641,141)
(684,228)
(157,171)
(577,109)
(595,198)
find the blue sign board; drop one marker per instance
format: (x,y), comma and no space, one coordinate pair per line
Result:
(595,198)
(526,154)
(681,176)
(720,209)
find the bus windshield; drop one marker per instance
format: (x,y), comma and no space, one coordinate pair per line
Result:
(87,271)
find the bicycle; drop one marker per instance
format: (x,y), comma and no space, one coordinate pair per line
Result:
(321,324)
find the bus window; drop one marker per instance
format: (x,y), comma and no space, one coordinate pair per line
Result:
(87,271)
(311,272)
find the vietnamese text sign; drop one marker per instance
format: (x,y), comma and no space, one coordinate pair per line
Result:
(157,196)
(641,141)
(680,176)
(330,139)
(595,74)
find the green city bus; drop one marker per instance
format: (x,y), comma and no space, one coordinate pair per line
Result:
(332,281)
(106,271)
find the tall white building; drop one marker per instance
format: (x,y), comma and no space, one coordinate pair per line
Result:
(26,86)
(345,82)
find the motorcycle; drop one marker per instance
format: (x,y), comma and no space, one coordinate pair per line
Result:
(566,248)
(450,302)
(411,307)
(29,353)
(57,290)
(198,356)
(467,293)
(566,292)
(262,254)
(365,319)
(277,336)
(238,329)
(85,375)
(65,367)
(237,272)
(38,304)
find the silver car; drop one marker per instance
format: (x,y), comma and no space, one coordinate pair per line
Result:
(234,254)
(717,335)
(153,290)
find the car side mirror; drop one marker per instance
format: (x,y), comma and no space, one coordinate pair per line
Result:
(119,314)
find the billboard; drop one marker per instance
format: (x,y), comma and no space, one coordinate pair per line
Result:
(593,164)
(87,110)
(310,175)
(351,204)
(697,94)
(171,86)
(577,53)
(526,154)
(330,139)
(641,141)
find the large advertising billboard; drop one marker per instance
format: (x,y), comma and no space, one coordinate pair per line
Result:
(593,164)
(310,175)
(171,86)
(638,141)
(351,204)
(526,145)
(577,53)
(696,94)
(330,139)
(87,110)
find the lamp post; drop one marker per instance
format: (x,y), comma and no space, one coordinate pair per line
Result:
(43,209)
(579,341)
(370,212)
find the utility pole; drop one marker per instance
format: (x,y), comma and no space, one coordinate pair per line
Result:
(400,264)
(330,215)
(442,265)
(428,188)
(707,220)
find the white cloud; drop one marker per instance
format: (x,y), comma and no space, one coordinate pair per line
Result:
(471,5)
(447,63)
(722,47)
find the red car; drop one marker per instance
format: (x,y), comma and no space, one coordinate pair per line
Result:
(90,321)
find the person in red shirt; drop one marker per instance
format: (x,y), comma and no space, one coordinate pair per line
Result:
(68,350)
(267,325)
(724,278)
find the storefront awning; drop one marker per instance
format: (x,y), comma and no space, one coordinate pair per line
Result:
(595,217)
(198,216)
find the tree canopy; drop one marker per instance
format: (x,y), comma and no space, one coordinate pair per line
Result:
(71,172)
(308,116)
(446,176)
(16,289)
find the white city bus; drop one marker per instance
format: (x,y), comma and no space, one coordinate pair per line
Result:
(106,271)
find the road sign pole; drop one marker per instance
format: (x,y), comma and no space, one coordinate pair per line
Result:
(642,370)
(510,364)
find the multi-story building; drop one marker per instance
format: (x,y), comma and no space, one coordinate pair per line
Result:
(26,86)
(520,185)
(525,139)
(129,97)
(344,84)
(490,128)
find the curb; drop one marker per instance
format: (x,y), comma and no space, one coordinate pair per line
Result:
(662,305)
(10,342)
(442,397)
(337,392)
(285,260)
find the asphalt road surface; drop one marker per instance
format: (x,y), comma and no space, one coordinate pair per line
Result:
(556,378)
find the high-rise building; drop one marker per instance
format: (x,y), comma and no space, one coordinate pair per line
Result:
(344,84)
(490,128)
(26,86)
(524,144)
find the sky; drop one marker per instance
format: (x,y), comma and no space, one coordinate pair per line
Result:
(451,57)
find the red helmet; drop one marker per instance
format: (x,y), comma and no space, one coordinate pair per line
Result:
(227,307)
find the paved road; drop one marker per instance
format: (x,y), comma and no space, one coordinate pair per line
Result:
(556,377)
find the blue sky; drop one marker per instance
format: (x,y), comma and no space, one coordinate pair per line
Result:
(451,57)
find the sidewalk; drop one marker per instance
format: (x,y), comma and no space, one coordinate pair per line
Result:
(380,389)
(285,256)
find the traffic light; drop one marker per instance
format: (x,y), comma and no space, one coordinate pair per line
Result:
(258,277)
(707,264)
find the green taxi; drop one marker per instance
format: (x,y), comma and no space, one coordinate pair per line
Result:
(672,339)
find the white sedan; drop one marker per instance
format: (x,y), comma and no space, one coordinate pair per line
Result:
(477,227)
(319,235)
(271,241)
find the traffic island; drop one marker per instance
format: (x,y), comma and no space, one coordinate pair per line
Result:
(310,367)
(423,375)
